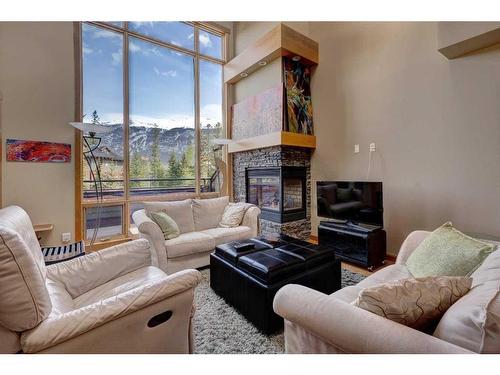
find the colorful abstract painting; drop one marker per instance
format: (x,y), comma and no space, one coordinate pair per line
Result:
(36,151)
(297,78)
(259,114)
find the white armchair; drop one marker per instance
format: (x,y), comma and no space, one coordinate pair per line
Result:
(111,301)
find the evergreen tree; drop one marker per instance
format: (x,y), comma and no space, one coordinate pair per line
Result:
(157,168)
(188,162)
(138,169)
(95,118)
(184,165)
(174,167)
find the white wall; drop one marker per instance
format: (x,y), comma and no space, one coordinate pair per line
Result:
(37,83)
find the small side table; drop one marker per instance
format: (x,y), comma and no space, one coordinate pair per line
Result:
(41,228)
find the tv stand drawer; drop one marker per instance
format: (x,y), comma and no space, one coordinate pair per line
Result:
(364,249)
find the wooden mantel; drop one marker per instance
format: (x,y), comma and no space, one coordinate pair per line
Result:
(280,41)
(273,139)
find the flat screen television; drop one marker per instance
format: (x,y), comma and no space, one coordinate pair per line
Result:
(356,202)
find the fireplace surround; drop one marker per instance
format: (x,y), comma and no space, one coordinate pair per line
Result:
(280,192)
(276,158)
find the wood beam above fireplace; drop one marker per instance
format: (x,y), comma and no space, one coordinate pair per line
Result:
(273,139)
(280,41)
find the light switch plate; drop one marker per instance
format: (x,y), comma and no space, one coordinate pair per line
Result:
(356,148)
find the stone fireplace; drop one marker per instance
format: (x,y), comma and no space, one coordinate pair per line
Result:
(278,180)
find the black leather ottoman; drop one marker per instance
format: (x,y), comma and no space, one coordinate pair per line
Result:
(248,279)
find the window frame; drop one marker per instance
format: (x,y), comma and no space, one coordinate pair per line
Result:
(127,200)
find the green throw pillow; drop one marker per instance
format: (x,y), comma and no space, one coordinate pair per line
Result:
(167,225)
(448,252)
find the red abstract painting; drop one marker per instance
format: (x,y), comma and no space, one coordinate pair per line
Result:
(35,151)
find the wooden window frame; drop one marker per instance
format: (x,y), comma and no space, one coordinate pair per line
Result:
(127,200)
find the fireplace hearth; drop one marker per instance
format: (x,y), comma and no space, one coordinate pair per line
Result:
(280,192)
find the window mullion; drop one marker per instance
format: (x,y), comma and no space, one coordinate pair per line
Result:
(197,116)
(126,117)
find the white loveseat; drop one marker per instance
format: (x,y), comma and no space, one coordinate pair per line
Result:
(320,323)
(198,221)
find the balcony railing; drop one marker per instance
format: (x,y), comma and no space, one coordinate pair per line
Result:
(148,186)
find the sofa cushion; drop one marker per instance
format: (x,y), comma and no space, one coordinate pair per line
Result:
(389,273)
(24,300)
(416,303)
(473,322)
(224,235)
(392,272)
(489,270)
(207,213)
(448,252)
(121,284)
(180,211)
(189,243)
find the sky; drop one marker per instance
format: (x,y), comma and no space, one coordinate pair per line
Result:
(161,80)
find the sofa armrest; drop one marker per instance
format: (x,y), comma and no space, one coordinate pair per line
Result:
(79,275)
(410,244)
(152,232)
(59,328)
(251,219)
(352,329)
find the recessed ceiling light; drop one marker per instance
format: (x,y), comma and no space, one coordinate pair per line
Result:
(296,58)
(262,63)
(244,75)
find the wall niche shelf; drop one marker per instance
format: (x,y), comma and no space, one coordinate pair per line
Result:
(280,41)
(273,139)
(472,44)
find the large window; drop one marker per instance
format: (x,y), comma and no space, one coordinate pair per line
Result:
(159,86)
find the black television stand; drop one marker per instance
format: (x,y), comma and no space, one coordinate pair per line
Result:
(361,244)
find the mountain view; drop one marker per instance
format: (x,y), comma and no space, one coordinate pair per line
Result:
(155,153)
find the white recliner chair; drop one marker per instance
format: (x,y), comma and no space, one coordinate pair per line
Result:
(111,301)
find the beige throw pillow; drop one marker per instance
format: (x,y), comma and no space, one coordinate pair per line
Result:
(417,303)
(233,215)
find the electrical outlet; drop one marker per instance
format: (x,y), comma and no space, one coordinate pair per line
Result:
(66,237)
(372,147)
(356,148)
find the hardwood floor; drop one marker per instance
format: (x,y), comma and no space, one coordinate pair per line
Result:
(353,268)
(364,271)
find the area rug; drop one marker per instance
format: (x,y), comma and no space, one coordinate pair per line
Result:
(220,329)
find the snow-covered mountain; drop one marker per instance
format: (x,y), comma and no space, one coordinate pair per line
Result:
(175,140)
